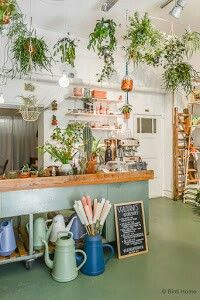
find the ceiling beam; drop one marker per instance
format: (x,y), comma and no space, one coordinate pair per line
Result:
(166,3)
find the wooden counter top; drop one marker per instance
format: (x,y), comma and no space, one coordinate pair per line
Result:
(7,185)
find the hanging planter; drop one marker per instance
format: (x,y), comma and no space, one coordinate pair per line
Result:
(126,110)
(145,42)
(54,120)
(29,110)
(65,48)
(103,41)
(127,82)
(30,53)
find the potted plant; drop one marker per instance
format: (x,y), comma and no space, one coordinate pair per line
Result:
(126,110)
(66,49)
(63,146)
(92,150)
(7,10)
(103,41)
(54,120)
(54,105)
(178,73)
(144,41)
(25,171)
(30,53)
(33,173)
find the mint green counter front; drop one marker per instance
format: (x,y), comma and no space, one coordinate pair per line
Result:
(42,200)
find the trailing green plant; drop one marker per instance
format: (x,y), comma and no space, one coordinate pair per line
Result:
(64,143)
(144,41)
(127,108)
(191,41)
(97,149)
(177,72)
(180,75)
(29,101)
(66,49)
(30,53)
(103,41)
(7,9)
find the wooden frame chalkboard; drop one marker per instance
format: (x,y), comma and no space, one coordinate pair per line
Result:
(130,229)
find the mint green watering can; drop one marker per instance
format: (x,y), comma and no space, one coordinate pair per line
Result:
(63,266)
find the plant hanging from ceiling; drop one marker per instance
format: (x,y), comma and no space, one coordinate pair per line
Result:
(144,41)
(66,49)
(8,8)
(30,53)
(103,41)
(178,73)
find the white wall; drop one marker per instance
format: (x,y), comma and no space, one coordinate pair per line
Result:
(147,95)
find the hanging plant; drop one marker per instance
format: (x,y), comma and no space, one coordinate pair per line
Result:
(177,72)
(66,49)
(103,41)
(191,41)
(7,10)
(180,75)
(145,42)
(30,53)
(126,110)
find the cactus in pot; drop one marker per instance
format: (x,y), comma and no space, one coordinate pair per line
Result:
(88,144)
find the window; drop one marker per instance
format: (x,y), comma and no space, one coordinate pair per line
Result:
(146,125)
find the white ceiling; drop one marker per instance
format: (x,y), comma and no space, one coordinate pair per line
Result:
(79,16)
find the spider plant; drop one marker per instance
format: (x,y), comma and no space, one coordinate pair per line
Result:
(30,53)
(66,49)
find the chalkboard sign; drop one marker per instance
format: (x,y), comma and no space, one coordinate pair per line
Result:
(130,229)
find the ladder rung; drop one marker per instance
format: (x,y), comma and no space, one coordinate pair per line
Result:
(183,114)
(193,180)
(192,170)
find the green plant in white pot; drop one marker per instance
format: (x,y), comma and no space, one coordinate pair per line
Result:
(63,146)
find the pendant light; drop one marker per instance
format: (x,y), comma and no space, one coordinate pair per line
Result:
(63,81)
(178,8)
(2,100)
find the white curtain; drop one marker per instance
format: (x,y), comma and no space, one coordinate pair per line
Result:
(18,141)
(5,142)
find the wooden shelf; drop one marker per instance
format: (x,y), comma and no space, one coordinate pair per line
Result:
(104,129)
(94,99)
(92,115)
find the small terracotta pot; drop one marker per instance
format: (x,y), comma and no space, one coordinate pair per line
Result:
(54,122)
(127,85)
(127,115)
(31,49)
(6,19)
(24,174)
(91,167)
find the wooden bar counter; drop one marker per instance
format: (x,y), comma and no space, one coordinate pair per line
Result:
(43,194)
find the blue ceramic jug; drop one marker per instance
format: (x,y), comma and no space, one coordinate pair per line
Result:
(7,238)
(93,247)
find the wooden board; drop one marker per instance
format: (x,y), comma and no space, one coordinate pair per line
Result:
(130,229)
(7,185)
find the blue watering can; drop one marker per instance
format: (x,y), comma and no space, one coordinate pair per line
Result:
(93,247)
(76,227)
(7,238)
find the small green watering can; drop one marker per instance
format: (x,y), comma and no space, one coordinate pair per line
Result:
(64,263)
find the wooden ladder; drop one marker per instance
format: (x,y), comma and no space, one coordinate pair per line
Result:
(184,167)
(181,123)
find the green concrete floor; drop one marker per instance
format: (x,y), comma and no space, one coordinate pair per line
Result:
(173,262)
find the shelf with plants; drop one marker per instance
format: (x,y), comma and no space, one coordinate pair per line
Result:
(94,99)
(93,115)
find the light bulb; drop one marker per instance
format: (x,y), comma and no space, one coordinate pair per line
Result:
(64,81)
(2,100)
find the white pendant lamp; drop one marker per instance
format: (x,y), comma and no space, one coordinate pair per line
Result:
(63,81)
